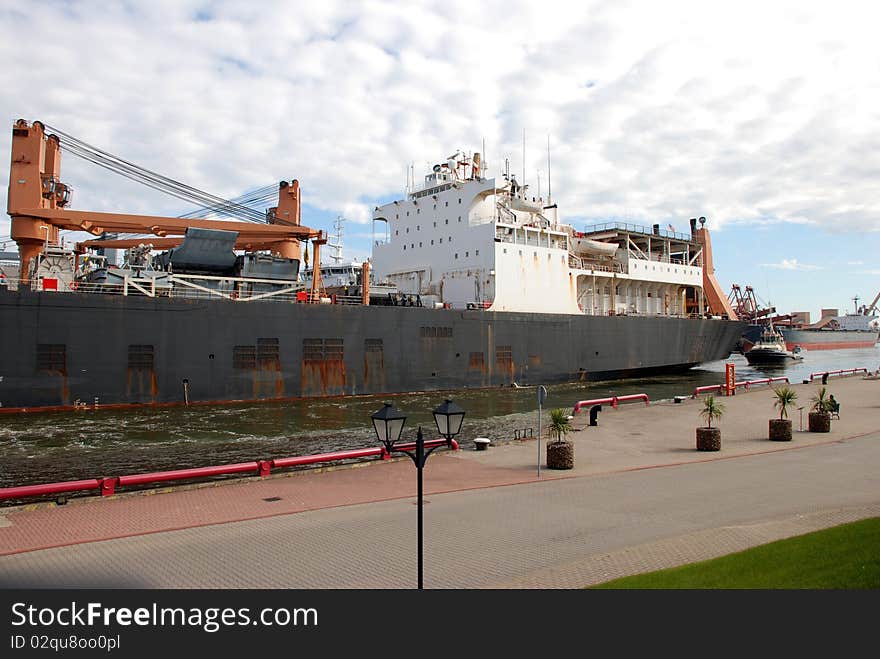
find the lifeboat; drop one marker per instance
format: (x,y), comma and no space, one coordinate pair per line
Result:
(586,247)
(520,204)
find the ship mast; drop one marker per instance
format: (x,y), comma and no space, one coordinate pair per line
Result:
(336,245)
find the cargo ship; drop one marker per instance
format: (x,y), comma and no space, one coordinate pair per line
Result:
(476,283)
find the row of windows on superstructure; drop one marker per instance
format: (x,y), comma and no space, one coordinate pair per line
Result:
(419,226)
(419,210)
(534,253)
(421,244)
(685,271)
(434,190)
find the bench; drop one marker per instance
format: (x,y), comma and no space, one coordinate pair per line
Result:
(835,410)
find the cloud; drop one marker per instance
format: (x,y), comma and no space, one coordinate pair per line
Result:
(655,111)
(792,264)
(855,263)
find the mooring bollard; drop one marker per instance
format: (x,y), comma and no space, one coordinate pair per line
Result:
(594,414)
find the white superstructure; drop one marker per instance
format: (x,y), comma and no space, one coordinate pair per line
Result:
(472,242)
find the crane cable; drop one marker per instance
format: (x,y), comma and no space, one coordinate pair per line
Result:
(154,180)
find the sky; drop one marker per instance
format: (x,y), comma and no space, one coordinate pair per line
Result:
(760,116)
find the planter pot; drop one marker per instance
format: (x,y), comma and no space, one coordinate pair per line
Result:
(708,439)
(819,422)
(560,455)
(780,430)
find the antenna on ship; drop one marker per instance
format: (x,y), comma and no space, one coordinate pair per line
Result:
(338,225)
(524,158)
(549,189)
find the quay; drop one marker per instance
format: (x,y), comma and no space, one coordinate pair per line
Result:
(639,498)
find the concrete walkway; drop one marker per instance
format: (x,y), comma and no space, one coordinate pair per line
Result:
(640,498)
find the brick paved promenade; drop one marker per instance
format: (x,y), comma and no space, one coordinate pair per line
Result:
(640,498)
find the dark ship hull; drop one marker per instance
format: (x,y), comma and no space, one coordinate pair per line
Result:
(78,349)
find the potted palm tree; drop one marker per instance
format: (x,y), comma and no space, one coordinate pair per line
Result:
(819,419)
(709,438)
(780,429)
(560,451)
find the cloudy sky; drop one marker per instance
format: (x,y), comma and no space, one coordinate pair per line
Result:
(761,116)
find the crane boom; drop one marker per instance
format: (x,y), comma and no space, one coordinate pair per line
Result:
(37,205)
(873,305)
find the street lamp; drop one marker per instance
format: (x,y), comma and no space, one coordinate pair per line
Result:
(388,424)
(448,418)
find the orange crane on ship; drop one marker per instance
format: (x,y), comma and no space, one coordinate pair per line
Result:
(38,207)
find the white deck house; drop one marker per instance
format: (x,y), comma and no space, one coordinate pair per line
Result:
(473,242)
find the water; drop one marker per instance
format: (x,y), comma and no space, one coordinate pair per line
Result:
(58,446)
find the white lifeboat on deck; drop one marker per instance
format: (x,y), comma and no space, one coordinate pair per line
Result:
(520,204)
(586,247)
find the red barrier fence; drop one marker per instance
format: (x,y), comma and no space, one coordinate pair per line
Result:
(710,387)
(50,488)
(629,397)
(846,371)
(180,474)
(746,383)
(613,401)
(587,403)
(108,484)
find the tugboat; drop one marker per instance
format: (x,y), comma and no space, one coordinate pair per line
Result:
(770,350)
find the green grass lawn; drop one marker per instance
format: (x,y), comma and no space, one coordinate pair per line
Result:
(843,557)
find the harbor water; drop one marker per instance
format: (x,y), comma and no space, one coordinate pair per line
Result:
(57,446)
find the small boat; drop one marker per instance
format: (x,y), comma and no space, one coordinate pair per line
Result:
(771,350)
(585,247)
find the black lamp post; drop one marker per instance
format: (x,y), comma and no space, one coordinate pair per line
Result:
(388,424)
(448,418)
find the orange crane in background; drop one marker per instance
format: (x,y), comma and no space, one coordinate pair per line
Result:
(38,200)
(869,309)
(746,306)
